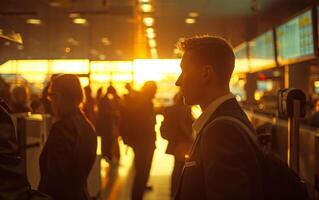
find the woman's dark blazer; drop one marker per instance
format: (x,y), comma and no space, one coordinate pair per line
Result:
(68,157)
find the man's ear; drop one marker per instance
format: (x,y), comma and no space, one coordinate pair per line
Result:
(207,73)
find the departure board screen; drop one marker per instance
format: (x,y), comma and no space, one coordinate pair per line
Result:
(295,39)
(241,62)
(262,51)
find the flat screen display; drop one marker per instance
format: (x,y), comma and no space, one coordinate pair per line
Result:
(262,51)
(295,39)
(241,62)
(265,85)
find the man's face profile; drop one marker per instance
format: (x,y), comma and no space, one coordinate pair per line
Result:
(190,80)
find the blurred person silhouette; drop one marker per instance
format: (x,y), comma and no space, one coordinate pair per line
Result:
(314,118)
(177,129)
(88,105)
(223,163)
(116,104)
(105,123)
(70,150)
(145,136)
(20,99)
(5,93)
(13,180)
(36,105)
(44,98)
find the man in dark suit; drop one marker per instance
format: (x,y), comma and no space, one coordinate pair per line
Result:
(222,164)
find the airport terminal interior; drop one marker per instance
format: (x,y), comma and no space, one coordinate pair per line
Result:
(114,47)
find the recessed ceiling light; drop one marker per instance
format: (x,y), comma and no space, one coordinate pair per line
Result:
(150,35)
(119,52)
(193,14)
(148,21)
(190,21)
(67,50)
(145,1)
(152,43)
(55,4)
(105,41)
(20,47)
(33,21)
(102,57)
(150,30)
(81,21)
(154,53)
(74,15)
(94,52)
(146,7)
(73,41)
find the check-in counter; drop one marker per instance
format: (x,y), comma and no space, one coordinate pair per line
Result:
(32,132)
(309,146)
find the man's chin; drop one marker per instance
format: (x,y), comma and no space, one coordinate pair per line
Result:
(188,101)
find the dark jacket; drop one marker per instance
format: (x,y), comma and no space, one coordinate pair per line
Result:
(223,165)
(68,157)
(13,181)
(177,129)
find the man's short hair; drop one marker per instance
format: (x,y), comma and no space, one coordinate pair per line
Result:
(211,50)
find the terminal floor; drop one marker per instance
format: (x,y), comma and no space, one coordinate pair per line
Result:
(117,182)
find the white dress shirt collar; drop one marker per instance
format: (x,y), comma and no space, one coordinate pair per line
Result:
(204,117)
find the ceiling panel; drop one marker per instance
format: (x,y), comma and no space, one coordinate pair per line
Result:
(111,29)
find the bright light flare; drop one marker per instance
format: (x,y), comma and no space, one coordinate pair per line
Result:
(34,21)
(150,30)
(80,21)
(146,7)
(152,43)
(154,69)
(193,14)
(190,21)
(148,21)
(150,35)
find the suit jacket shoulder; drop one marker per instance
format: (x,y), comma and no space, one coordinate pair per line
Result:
(224,160)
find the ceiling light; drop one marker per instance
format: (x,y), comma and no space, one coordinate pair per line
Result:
(154,53)
(94,52)
(55,4)
(67,50)
(149,30)
(73,41)
(20,47)
(81,21)
(150,35)
(33,21)
(74,15)
(190,21)
(148,21)
(147,7)
(118,52)
(193,14)
(145,1)
(105,41)
(152,43)
(102,57)
(1,31)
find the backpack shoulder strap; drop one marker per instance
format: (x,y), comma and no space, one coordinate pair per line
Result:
(241,124)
